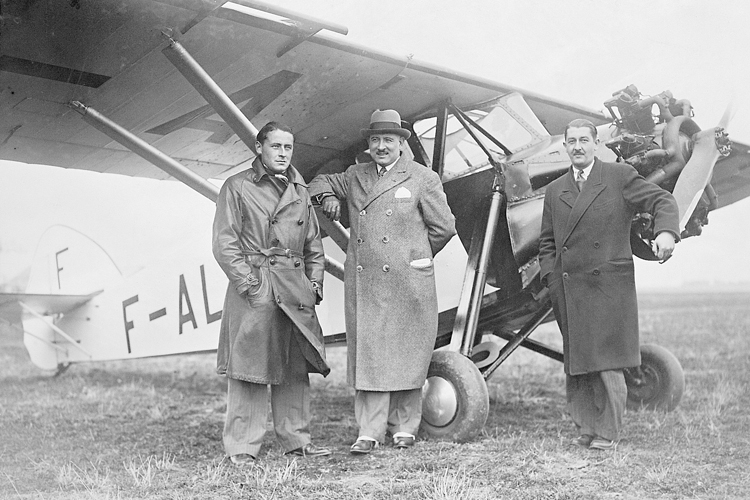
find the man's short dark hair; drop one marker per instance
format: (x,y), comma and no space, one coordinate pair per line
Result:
(581,123)
(270,127)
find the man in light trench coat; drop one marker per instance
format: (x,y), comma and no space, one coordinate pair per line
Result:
(400,220)
(587,263)
(266,238)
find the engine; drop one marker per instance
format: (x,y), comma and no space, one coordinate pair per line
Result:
(659,145)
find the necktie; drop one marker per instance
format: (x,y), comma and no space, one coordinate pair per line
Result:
(580,179)
(381,172)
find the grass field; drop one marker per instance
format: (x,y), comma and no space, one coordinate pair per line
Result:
(151,429)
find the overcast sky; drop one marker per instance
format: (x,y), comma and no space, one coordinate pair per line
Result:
(576,50)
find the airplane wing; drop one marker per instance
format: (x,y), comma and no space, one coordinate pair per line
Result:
(108,55)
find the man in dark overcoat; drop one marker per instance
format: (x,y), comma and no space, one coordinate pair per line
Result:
(587,263)
(400,220)
(266,238)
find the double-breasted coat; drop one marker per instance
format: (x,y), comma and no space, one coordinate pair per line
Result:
(587,262)
(398,224)
(268,230)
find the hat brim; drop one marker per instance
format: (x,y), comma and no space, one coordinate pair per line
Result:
(367,132)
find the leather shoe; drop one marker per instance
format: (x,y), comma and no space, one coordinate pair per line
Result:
(310,450)
(242,459)
(363,447)
(583,440)
(602,444)
(402,442)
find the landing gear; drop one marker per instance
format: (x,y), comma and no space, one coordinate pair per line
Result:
(455,402)
(658,383)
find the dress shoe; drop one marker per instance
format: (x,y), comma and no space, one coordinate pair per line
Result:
(402,442)
(363,447)
(602,444)
(310,450)
(242,459)
(583,440)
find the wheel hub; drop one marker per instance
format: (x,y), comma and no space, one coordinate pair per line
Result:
(439,402)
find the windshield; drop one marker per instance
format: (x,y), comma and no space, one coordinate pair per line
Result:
(508,119)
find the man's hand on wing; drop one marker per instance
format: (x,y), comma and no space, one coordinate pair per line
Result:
(331,207)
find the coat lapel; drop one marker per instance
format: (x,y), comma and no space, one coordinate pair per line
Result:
(290,195)
(393,178)
(591,190)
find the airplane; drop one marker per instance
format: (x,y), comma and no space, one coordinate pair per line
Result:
(174,89)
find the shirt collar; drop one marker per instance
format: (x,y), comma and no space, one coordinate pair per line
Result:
(586,171)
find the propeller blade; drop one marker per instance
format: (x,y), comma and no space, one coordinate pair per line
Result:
(696,174)
(728,114)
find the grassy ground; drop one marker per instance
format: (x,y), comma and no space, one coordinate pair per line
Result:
(152,429)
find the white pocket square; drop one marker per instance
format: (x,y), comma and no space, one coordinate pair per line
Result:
(421,263)
(402,192)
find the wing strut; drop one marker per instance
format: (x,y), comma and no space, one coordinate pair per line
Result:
(220,102)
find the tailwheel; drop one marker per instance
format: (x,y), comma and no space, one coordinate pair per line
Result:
(658,383)
(455,402)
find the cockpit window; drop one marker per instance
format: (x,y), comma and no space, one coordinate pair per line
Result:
(508,119)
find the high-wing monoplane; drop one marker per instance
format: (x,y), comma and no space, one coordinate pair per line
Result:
(175,89)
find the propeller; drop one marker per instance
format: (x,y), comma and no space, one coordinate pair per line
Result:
(707,147)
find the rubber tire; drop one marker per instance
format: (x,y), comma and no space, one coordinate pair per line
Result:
(473,402)
(664,381)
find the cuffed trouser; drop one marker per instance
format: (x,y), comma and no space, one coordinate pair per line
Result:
(596,402)
(397,411)
(247,410)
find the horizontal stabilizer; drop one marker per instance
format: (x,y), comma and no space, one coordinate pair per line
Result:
(44,304)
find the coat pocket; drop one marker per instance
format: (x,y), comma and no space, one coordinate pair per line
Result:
(257,293)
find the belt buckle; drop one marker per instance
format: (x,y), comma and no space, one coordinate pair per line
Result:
(288,253)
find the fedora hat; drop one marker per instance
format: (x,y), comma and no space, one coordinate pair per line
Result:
(387,121)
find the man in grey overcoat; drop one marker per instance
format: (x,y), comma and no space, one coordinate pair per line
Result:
(587,263)
(400,219)
(266,239)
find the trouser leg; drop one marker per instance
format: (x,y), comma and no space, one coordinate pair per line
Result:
(581,407)
(610,395)
(405,412)
(371,412)
(290,402)
(596,402)
(245,424)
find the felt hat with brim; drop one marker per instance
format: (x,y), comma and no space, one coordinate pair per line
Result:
(387,121)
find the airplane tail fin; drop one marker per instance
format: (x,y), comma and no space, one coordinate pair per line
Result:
(67,262)
(67,270)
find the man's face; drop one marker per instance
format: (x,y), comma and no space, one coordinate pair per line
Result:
(580,146)
(385,148)
(276,151)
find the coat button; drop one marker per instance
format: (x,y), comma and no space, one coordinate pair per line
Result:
(359,269)
(359,240)
(596,272)
(300,222)
(565,276)
(300,307)
(596,244)
(296,263)
(278,299)
(386,268)
(385,239)
(272,261)
(274,221)
(389,212)
(363,212)
(565,249)
(274,242)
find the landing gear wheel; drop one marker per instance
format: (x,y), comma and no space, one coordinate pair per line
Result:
(455,402)
(658,383)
